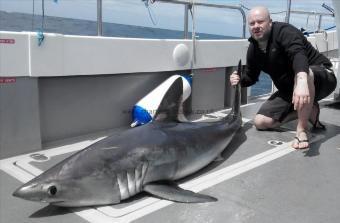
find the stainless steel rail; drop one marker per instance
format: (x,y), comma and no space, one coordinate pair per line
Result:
(189,4)
(289,5)
(319,14)
(311,13)
(99,18)
(186,21)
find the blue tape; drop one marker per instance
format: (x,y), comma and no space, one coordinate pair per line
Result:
(41,37)
(140,115)
(188,77)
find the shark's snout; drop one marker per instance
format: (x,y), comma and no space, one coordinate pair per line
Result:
(25,192)
(17,193)
(35,192)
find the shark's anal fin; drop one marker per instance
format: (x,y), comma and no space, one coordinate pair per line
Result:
(173,192)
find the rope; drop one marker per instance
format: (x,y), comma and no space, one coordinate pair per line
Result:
(150,12)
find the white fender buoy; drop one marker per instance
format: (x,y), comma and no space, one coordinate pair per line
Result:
(145,109)
(181,55)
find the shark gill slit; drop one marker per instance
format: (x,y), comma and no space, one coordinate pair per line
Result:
(130,182)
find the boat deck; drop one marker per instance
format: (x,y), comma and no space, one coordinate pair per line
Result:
(259,178)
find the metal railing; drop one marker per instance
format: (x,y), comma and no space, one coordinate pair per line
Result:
(289,5)
(319,14)
(99,18)
(188,5)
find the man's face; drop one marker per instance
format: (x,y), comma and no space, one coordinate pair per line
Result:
(259,25)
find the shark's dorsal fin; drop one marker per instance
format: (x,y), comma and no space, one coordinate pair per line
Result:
(171,102)
(173,192)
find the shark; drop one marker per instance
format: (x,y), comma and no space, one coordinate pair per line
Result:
(150,158)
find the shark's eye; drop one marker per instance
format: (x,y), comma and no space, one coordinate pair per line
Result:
(52,190)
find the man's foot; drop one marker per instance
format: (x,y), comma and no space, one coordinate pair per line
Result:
(301,141)
(314,117)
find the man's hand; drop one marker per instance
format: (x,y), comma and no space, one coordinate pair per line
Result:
(301,94)
(234,78)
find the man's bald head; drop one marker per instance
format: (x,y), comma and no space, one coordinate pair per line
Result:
(259,10)
(260,23)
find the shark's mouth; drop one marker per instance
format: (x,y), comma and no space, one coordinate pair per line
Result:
(57,203)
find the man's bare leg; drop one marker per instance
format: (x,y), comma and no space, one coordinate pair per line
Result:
(301,141)
(264,123)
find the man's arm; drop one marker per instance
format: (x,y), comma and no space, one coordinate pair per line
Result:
(251,73)
(301,93)
(292,41)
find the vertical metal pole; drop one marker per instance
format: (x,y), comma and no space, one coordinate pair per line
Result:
(186,21)
(289,4)
(99,18)
(33,16)
(320,21)
(244,23)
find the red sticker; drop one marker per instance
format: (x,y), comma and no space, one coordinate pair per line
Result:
(7,41)
(210,69)
(7,80)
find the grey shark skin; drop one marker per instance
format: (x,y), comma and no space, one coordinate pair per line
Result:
(145,158)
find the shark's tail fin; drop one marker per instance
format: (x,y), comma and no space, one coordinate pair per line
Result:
(237,93)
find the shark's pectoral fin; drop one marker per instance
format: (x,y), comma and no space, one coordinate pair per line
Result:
(174,193)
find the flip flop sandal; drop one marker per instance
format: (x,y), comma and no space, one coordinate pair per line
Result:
(301,141)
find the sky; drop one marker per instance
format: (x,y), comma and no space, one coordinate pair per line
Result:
(170,16)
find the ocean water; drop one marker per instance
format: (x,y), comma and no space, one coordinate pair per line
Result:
(225,22)
(14,21)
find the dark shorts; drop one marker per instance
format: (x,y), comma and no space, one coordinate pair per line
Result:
(278,106)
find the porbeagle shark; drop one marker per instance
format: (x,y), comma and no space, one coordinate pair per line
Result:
(148,158)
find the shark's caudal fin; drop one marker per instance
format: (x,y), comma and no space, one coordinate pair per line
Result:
(171,102)
(237,92)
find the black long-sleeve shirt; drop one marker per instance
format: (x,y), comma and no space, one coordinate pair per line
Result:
(288,52)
